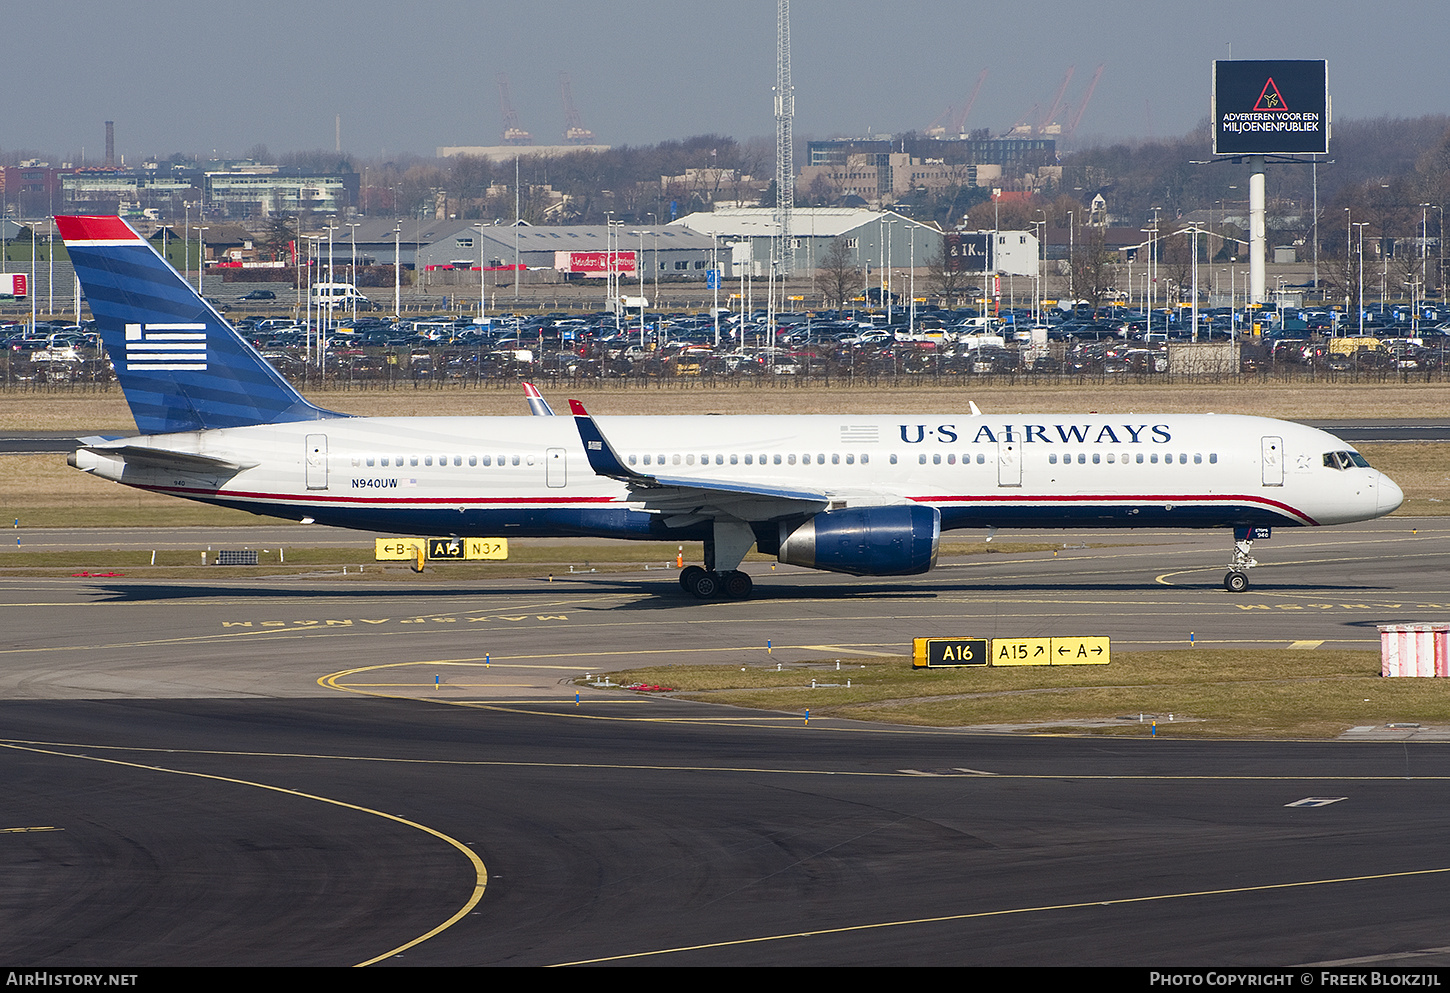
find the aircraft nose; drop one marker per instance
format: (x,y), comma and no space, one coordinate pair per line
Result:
(1390,496)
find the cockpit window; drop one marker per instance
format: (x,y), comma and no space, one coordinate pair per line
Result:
(1345,460)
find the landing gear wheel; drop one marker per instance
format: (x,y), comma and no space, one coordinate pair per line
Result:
(706,585)
(687,577)
(737,585)
(1235,582)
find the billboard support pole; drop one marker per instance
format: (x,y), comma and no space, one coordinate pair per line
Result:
(1257,253)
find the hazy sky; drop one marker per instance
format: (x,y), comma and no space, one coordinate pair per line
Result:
(195,77)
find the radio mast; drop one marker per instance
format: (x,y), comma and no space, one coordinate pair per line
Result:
(784,161)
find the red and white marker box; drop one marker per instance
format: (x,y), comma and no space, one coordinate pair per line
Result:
(1415,650)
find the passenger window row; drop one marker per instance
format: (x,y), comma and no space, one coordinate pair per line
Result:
(1140,458)
(820,458)
(412,461)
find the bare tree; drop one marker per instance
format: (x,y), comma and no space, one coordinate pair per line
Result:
(839,273)
(278,234)
(1092,266)
(947,279)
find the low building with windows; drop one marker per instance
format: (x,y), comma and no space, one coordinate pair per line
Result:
(267,191)
(668,250)
(876,238)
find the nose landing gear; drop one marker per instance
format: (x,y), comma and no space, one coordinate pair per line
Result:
(1236,580)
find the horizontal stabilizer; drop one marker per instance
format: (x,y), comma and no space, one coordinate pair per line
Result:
(162,458)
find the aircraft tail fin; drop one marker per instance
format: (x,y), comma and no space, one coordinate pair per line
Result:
(180,364)
(538,406)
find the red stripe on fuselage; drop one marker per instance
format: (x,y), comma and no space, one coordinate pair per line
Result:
(1119,498)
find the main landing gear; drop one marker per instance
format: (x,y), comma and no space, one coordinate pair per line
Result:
(708,584)
(724,551)
(1237,580)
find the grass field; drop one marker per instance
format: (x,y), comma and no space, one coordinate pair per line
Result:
(1209,693)
(105,410)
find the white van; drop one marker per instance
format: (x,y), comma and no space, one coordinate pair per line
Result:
(338,295)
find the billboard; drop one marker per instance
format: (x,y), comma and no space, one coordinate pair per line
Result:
(1278,107)
(593,262)
(969,252)
(12,285)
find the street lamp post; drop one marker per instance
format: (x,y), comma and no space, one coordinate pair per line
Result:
(352,268)
(1348,255)
(1039,264)
(1194,239)
(186,239)
(911,321)
(655,233)
(1424,252)
(609,267)
(30,290)
(1361,225)
(639,279)
(886,269)
(200,255)
(1071,265)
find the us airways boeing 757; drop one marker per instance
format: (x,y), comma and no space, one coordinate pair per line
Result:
(853,494)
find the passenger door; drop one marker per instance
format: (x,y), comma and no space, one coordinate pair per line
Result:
(1009,463)
(316,461)
(554,467)
(1273,460)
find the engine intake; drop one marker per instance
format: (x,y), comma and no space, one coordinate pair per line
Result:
(867,541)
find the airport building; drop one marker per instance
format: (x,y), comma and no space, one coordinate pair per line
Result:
(162,189)
(263,191)
(667,250)
(1013,154)
(875,238)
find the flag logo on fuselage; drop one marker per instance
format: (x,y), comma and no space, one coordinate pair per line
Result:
(165,347)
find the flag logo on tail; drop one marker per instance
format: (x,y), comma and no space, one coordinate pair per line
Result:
(165,346)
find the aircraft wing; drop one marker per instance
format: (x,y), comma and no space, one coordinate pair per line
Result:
(685,499)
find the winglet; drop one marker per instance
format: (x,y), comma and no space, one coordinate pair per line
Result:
(538,406)
(603,459)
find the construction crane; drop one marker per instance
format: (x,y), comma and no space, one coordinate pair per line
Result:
(958,117)
(1076,117)
(512,133)
(575,133)
(1021,128)
(1048,123)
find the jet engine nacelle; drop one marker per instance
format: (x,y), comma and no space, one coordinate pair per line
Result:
(867,541)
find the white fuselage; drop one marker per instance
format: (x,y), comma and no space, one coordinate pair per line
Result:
(531,476)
